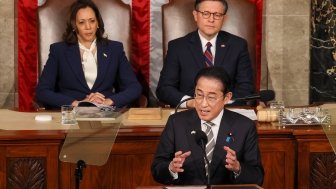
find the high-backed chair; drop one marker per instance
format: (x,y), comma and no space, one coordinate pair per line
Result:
(241,21)
(53,15)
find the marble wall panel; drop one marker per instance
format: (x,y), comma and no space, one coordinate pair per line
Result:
(285,54)
(296,53)
(295,97)
(323,51)
(273,43)
(7,100)
(7,8)
(286,7)
(7,55)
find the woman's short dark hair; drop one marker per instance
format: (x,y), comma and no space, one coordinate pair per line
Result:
(224,2)
(217,73)
(70,36)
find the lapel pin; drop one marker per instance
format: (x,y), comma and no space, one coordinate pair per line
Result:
(229,138)
(222,45)
(193,132)
(105,55)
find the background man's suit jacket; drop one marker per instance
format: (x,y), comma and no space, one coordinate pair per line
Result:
(177,136)
(185,58)
(62,80)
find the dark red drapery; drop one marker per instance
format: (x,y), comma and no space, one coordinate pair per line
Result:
(27,53)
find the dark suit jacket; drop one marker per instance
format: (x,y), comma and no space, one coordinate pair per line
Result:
(62,80)
(185,58)
(177,136)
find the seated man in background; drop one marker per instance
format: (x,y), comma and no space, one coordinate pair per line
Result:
(208,46)
(232,147)
(87,66)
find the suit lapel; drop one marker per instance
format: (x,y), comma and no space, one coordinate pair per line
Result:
(219,152)
(197,153)
(102,64)
(73,59)
(196,49)
(221,48)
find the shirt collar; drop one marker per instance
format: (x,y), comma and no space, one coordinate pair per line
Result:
(93,45)
(205,41)
(217,120)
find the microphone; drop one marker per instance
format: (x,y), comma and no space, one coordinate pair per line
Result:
(179,104)
(202,139)
(264,96)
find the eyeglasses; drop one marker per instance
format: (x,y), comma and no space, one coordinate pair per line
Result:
(207,14)
(210,99)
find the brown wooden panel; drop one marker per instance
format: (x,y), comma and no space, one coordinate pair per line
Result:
(307,149)
(26,173)
(135,147)
(2,167)
(128,166)
(28,150)
(278,158)
(323,170)
(29,162)
(52,166)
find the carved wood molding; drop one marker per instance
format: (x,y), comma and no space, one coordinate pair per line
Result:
(26,173)
(323,170)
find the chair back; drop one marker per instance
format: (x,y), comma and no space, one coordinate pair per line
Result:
(53,15)
(178,20)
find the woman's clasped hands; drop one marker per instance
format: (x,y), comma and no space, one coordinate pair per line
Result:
(96,97)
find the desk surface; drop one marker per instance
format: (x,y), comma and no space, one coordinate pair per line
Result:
(14,120)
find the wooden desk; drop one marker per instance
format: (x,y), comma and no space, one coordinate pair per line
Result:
(292,158)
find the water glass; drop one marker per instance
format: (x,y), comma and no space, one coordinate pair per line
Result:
(321,114)
(277,105)
(292,115)
(68,115)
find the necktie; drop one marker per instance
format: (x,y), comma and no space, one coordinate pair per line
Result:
(89,64)
(209,148)
(208,55)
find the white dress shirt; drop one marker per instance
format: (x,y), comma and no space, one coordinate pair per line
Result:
(89,62)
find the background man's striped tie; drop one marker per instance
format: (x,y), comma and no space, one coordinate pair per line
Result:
(208,55)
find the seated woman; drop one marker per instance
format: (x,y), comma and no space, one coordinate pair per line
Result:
(87,66)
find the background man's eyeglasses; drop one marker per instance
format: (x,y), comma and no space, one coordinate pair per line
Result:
(207,14)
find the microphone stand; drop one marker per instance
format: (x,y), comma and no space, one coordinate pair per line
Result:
(79,172)
(179,104)
(208,163)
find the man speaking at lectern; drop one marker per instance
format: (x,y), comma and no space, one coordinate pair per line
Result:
(232,141)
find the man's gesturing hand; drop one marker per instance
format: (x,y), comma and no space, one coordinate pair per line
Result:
(177,163)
